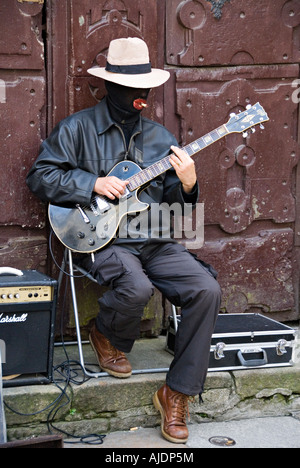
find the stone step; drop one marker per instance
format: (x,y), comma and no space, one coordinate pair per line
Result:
(106,404)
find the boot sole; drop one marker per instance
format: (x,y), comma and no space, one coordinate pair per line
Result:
(158,406)
(119,375)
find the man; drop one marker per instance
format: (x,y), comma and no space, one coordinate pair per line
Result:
(73,164)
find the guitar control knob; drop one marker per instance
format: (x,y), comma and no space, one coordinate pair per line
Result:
(92,227)
(91,242)
(81,235)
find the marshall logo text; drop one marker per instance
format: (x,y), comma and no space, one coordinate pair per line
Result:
(13,319)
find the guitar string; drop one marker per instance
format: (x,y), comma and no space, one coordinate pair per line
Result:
(163,165)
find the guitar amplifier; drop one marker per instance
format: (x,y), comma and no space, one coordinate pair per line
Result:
(27,325)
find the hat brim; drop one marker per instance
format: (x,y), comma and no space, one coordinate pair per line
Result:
(146,80)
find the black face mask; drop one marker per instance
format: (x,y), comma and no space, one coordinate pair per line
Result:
(121,99)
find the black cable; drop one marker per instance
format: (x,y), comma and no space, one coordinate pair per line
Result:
(68,375)
(83,275)
(66,372)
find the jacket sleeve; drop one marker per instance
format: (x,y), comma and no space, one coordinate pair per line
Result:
(55,176)
(174,192)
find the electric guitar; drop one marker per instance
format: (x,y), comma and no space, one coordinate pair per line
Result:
(86,229)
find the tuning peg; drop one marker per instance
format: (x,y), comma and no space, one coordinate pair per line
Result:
(262,126)
(248,106)
(245,134)
(232,115)
(253,130)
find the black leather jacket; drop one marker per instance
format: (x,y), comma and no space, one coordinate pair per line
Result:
(87,145)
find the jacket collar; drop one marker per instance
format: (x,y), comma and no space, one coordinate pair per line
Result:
(104,120)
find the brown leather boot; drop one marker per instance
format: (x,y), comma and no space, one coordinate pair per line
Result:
(110,359)
(173,407)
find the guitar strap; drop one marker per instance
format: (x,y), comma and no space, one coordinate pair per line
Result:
(138,150)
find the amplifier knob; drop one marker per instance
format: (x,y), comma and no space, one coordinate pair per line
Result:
(3,296)
(10,296)
(17,296)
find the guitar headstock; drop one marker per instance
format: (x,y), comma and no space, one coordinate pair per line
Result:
(253,115)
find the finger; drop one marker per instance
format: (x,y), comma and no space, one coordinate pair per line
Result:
(120,184)
(116,192)
(177,168)
(176,162)
(118,189)
(180,153)
(108,193)
(115,187)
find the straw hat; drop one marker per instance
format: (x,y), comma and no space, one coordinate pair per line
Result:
(128,64)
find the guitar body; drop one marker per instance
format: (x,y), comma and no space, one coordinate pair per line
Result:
(86,229)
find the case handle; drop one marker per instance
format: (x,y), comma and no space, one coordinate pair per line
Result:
(10,271)
(253,362)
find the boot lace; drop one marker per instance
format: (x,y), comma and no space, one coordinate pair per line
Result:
(180,409)
(115,353)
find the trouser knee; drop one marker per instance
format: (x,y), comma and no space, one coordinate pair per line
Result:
(138,294)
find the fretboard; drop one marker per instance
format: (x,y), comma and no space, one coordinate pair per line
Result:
(164,164)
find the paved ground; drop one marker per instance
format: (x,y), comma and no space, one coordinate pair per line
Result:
(266,432)
(276,432)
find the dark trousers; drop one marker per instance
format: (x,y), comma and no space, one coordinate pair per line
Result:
(183,280)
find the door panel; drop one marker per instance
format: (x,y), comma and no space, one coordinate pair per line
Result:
(23,238)
(247,184)
(248,32)
(81,33)
(221,56)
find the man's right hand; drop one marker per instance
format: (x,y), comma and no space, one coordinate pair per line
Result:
(110,187)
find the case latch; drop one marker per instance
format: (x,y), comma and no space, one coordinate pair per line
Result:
(280,348)
(219,351)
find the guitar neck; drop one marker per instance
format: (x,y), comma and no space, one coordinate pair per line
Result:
(164,164)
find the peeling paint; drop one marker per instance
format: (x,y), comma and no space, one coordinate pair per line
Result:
(31,1)
(255,208)
(2,92)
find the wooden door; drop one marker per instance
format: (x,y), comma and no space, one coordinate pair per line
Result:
(222,55)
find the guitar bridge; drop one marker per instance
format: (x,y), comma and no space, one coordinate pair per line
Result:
(99,205)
